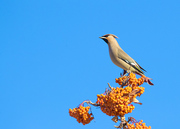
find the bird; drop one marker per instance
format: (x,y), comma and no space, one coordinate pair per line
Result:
(121,58)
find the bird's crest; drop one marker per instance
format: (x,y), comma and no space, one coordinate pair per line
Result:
(106,35)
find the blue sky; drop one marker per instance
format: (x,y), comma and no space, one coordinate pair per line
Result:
(52,59)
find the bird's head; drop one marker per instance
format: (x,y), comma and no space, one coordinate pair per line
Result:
(108,37)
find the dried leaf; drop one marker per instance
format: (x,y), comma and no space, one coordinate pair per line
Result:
(115,119)
(135,100)
(135,91)
(147,79)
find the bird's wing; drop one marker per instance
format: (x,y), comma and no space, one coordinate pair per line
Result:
(126,58)
(141,67)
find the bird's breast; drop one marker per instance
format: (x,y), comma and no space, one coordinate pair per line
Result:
(113,52)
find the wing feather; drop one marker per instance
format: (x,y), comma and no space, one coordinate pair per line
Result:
(126,58)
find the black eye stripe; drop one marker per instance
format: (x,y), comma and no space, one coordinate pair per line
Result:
(106,35)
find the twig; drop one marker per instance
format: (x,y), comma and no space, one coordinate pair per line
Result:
(122,124)
(109,86)
(94,104)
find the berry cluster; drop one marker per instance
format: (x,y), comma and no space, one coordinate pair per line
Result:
(133,82)
(81,114)
(116,102)
(130,80)
(137,125)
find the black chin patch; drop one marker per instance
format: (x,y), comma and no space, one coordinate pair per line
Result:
(106,40)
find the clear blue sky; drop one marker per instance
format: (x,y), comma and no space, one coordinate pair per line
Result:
(52,59)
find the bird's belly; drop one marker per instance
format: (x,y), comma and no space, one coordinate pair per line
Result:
(120,63)
(117,61)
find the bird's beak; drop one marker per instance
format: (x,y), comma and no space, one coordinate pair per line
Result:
(102,37)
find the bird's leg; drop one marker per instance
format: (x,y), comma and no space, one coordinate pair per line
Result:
(125,81)
(128,71)
(124,73)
